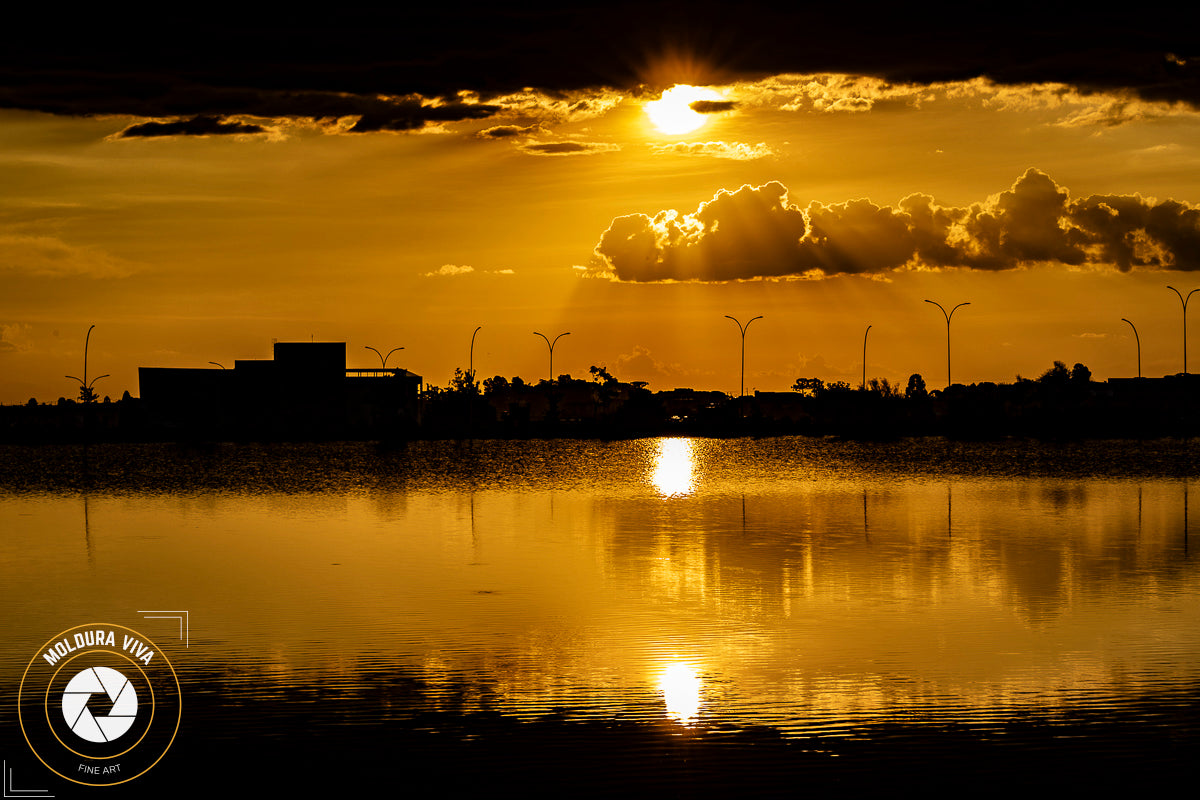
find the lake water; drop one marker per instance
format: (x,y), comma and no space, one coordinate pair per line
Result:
(474,614)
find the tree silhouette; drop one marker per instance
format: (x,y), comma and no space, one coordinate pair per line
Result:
(882,387)
(1057,374)
(808,387)
(463,382)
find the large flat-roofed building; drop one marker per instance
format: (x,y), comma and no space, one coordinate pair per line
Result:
(304,391)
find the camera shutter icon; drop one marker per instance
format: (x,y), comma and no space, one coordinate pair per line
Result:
(108,727)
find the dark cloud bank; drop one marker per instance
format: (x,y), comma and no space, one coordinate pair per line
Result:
(755,232)
(336,61)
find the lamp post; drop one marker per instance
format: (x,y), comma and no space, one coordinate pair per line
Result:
(382,358)
(743,328)
(1184,301)
(471,356)
(217,364)
(864,381)
(550,345)
(949,383)
(1137,339)
(86,393)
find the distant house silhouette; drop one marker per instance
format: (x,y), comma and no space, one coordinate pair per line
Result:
(305,392)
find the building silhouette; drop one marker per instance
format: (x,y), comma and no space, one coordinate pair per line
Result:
(304,392)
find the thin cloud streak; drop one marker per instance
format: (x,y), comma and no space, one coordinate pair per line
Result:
(568,148)
(200,125)
(51,257)
(736,151)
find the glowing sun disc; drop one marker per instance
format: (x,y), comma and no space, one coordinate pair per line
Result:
(672,113)
(680,686)
(674,468)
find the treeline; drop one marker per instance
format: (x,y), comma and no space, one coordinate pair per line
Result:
(1061,403)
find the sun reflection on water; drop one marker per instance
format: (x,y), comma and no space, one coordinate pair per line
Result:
(674,468)
(680,686)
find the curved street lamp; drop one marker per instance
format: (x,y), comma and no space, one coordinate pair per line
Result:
(217,364)
(1184,301)
(471,356)
(382,358)
(86,393)
(864,382)
(743,328)
(1139,345)
(551,344)
(949,383)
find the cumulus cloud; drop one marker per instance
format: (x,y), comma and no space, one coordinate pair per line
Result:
(756,232)
(738,151)
(49,257)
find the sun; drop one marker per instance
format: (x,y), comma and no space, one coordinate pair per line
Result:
(680,685)
(672,113)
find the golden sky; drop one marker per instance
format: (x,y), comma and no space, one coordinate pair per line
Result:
(189,231)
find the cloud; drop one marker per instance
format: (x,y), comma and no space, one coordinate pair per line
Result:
(841,93)
(509,131)
(14,337)
(200,125)
(413,113)
(712,106)
(568,148)
(180,106)
(48,257)
(738,151)
(319,62)
(557,106)
(447,270)
(831,93)
(756,232)
(642,365)
(751,232)
(453,270)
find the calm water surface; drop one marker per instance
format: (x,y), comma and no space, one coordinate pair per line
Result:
(820,589)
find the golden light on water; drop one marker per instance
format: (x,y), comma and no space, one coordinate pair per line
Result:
(672,113)
(674,468)
(680,686)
